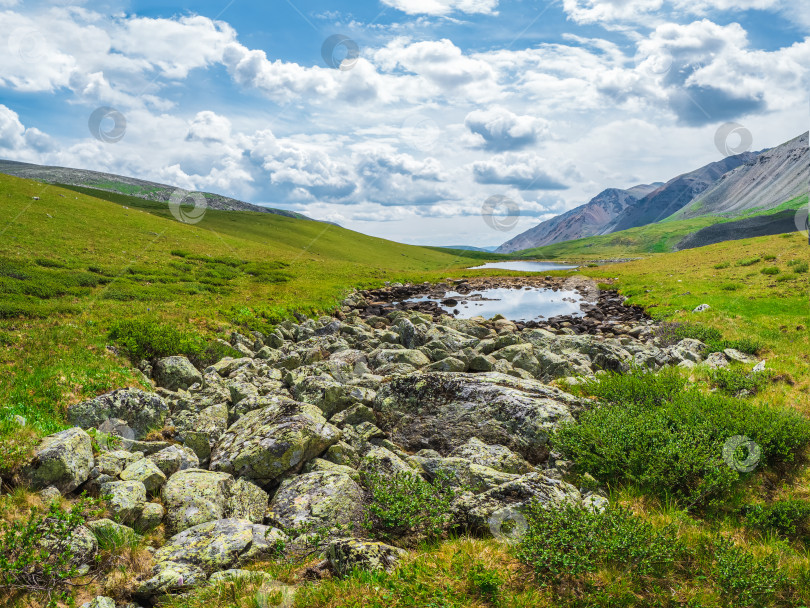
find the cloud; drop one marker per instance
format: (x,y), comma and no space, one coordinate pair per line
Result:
(601,11)
(523,171)
(16,140)
(209,127)
(443,7)
(505,130)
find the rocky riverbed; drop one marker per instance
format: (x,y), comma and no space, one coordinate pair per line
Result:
(255,452)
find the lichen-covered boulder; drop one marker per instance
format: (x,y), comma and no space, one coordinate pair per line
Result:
(463,473)
(476,511)
(110,533)
(327,394)
(319,464)
(81,543)
(384,462)
(403,356)
(442,411)
(147,472)
(247,501)
(195,496)
(100,601)
(496,457)
(176,372)
(127,499)
(175,458)
(141,411)
(190,557)
(266,444)
(151,517)
(347,554)
(63,460)
(321,499)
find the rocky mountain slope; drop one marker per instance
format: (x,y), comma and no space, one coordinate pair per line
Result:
(586,220)
(109,182)
(772,177)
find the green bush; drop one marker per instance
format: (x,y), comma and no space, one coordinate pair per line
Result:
(798,266)
(790,518)
(748,262)
(770,270)
(37,554)
(745,580)
(721,265)
(657,432)
(570,541)
(672,333)
(769,257)
(150,339)
(406,507)
(783,278)
(734,380)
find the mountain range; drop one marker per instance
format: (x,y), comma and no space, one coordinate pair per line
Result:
(729,187)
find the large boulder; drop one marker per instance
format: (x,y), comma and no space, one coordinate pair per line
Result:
(442,411)
(347,554)
(147,472)
(141,411)
(126,499)
(483,511)
(195,496)
(176,372)
(63,460)
(496,457)
(191,556)
(403,356)
(327,394)
(247,501)
(175,458)
(321,499)
(463,473)
(266,444)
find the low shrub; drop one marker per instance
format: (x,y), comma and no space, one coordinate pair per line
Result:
(657,432)
(730,286)
(406,507)
(770,270)
(748,261)
(790,518)
(672,333)
(783,278)
(150,339)
(37,554)
(798,266)
(734,381)
(744,579)
(721,265)
(564,543)
(769,257)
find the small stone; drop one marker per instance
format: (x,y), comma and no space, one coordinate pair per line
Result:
(759,367)
(347,554)
(151,517)
(50,494)
(100,601)
(176,372)
(702,308)
(127,499)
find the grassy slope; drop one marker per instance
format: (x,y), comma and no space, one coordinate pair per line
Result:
(660,237)
(52,339)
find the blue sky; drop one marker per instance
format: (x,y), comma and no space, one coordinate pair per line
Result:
(448,102)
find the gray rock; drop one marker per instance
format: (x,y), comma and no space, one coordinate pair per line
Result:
(62,460)
(247,501)
(175,458)
(111,534)
(195,496)
(404,356)
(176,372)
(151,517)
(496,457)
(321,499)
(442,411)
(383,462)
(759,367)
(716,360)
(100,601)
(127,499)
(463,473)
(147,472)
(735,355)
(191,556)
(347,554)
(701,308)
(266,444)
(50,494)
(141,411)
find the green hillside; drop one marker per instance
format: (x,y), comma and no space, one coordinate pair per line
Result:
(660,237)
(73,265)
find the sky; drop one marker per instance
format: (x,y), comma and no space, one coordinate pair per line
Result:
(436,122)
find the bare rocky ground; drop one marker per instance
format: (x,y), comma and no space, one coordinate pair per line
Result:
(253,454)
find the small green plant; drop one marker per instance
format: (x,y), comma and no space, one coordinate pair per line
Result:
(790,518)
(565,543)
(770,270)
(407,507)
(38,555)
(744,579)
(734,381)
(731,286)
(748,261)
(798,266)
(769,258)
(721,265)
(485,583)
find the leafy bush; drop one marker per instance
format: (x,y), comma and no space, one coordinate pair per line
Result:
(655,431)
(744,579)
(789,518)
(672,333)
(37,554)
(150,339)
(734,381)
(567,542)
(770,270)
(748,262)
(407,507)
